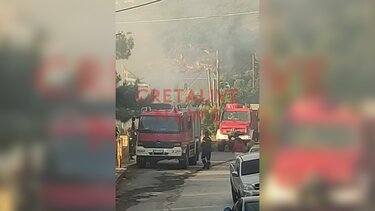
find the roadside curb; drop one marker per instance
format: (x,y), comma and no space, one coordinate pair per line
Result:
(123,170)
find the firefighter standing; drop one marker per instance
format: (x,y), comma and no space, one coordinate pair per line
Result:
(132,135)
(206,150)
(239,146)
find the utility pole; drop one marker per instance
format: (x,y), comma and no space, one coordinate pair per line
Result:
(217,79)
(213,89)
(253,70)
(209,85)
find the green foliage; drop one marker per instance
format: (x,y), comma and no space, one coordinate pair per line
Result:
(126,102)
(247,89)
(210,120)
(118,78)
(124,45)
(226,93)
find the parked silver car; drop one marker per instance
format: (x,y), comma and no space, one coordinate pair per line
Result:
(254,148)
(244,176)
(250,203)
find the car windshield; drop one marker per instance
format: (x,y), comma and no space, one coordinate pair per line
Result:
(254,149)
(159,124)
(250,167)
(252,206)
(236,116)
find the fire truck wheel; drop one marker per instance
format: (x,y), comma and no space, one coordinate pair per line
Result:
(193,160)
(221,146)
(141,162)
(184,161)
(230,146)
(153,162)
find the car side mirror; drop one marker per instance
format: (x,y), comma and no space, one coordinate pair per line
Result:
(227,209)
(234,173)
(231,165)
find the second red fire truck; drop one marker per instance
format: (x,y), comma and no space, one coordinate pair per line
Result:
(240,119)
(168,133)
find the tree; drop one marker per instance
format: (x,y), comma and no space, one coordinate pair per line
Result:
(124,45)
(127,105)
(247,90)
(118,78)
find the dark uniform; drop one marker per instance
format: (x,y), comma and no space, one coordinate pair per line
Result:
(206,151)
(132,142)
(132,139)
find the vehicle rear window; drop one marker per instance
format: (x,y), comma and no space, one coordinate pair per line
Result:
(250,167)
(252,206)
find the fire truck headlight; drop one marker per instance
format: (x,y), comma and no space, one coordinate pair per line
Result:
(349,195)
(220,136)
(245,137)
(353,193)
(176,151)
(277,194)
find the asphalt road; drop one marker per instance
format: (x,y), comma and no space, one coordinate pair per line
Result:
(166,187)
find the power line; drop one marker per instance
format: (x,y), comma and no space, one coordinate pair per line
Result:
(137,6)
(189,18)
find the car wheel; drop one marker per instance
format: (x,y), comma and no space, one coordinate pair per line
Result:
(221,146)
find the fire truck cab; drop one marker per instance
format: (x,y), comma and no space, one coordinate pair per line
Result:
(165,133)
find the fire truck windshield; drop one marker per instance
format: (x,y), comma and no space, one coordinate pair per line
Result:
(317,136)
(236,116)
(159,124)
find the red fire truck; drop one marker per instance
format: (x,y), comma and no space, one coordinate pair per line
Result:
(165,133)
(318,157)
(239,118)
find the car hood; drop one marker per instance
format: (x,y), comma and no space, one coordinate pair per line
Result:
(250,179)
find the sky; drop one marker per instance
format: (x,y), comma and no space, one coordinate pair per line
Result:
(167,29)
